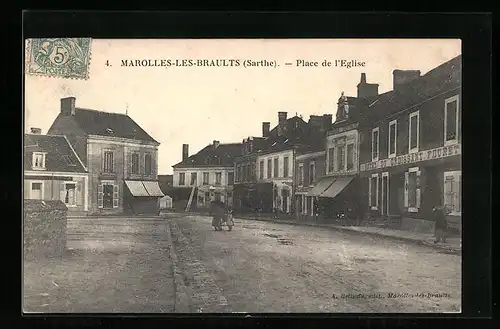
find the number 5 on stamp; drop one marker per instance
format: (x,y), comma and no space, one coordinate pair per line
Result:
(59,57)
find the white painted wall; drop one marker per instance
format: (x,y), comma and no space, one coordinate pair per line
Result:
(272,156)
(348,137)
(199,175)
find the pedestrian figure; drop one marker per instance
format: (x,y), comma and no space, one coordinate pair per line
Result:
(316,208)
(441,225)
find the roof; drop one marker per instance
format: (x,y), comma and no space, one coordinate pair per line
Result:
(443,78)
(101,123)
(210,156)
(60,156)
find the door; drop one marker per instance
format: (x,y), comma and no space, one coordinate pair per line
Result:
(385,194)
(36,191)
(107,197)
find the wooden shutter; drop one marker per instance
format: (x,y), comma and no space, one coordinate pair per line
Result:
(406,189)
(418,190)
(370,191)
(99,196)
(62,192)
(115,196)
(78,194)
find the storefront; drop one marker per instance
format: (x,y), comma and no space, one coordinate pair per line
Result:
(411,185)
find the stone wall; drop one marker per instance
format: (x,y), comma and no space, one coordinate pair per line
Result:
(45,225)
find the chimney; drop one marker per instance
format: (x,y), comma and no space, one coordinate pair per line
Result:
(366,89)
(68,106)
(185,151)
(400,77)
(265,128)
(36,131)
(216,144)
(281,122)
(327,121)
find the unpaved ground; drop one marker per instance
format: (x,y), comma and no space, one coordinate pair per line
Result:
(267,267)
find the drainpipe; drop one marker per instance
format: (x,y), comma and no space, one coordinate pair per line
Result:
(52,188)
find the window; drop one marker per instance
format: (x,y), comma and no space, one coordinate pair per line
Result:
(375,144)
(301,174)
(245,172)
(341,158)
(107,195)
(218,178)
(451,120)
(135,163)
(393,125)
(412,189)
(38,160)
(350,156)
(312,172)
(373,192)
(194,178)
(276,167)
(207,196)
(453,192)
(230,178)
(217,196)
(261,169)
(205,178)
(69,194)
(414,132)
(285,167)
(108,162)
(36,192)
(182,178)
(269,168)
(331,153)
(148,164)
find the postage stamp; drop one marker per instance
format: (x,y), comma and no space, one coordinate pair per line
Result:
(59,57)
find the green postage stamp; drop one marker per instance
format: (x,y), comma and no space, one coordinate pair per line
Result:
(59,57)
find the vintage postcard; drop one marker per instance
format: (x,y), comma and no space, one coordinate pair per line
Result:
(242,176)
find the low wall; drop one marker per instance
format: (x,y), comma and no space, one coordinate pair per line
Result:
(427,226)
(45,225)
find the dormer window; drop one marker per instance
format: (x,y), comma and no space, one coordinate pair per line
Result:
(109,131)
(38,160)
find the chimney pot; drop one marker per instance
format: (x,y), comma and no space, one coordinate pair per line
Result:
(68,106)
(185,151)
(363,78)
(216,143)
(266,126)
(36,131)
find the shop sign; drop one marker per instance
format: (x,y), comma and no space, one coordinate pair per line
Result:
(433,154)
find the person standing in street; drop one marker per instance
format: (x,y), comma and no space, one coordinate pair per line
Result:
(440,224)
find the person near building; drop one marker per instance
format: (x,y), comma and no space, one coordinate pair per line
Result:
(440,224)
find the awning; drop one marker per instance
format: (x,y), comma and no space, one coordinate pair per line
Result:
(153,188)
(321,186)
(136,188)
(338,185)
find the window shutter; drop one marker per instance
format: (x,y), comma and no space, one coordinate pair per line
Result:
(103,160)
(418,190)
(370,191)
(115,196)
(406,190)
(78,194)
(62,193)
(99,196)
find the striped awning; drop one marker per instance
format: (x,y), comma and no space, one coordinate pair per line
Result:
(153,188)
(136,188)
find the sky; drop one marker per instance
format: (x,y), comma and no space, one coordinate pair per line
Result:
(197,105)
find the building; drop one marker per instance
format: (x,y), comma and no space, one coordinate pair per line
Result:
(209,173)
(248,194)
(53,171)
(276,162)
(340,189)
(121,159)
(411,152)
